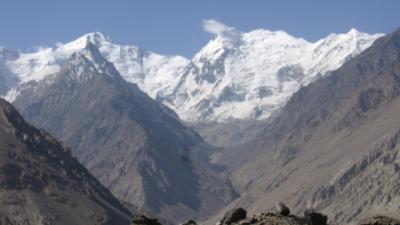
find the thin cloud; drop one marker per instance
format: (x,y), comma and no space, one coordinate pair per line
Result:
(215,27)
(221,30)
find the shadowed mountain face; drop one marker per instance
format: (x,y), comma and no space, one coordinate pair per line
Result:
(41,183)
(334,146)
(136,147)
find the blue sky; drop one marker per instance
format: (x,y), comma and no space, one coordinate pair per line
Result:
(175,26)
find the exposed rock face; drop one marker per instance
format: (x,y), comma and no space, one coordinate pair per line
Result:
(41,183)
(334,146)
(135,146)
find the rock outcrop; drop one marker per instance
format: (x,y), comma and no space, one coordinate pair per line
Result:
(280,215)
(379,220)
(281,209)
(190,222)
(315,218)
(233,216)
(144,220)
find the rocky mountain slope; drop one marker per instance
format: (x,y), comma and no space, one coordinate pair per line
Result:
(41,183)
(237,75)
(135,146)
(85,93)
(334,146)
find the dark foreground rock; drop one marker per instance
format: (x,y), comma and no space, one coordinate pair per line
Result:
(143,220)
(315,218)
(190,222)
(234,216)
(280,215)
(273,219)
(282,209)
(379,220)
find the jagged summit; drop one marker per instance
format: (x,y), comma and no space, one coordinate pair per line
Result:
(329,140)
(237,75)
(255,78)
(90,61)
(97,38)
(133,144)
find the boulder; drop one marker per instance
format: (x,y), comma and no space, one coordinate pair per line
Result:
(315,218)
(233,216)
(143,220)
(190,222)
(281,209)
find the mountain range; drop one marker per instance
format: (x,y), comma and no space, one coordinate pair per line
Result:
(137,147)
(334,146)
(237,75)
(253,118)
(236,80)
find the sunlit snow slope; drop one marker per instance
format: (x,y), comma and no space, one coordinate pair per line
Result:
(236,75)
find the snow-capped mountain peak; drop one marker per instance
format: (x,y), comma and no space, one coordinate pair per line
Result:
(237,75)
(92,53)
(83,65)
(97,38)
(37,65)
(256,77)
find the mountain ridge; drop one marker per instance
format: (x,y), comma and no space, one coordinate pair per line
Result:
(250,79)
(333,138)
(41,182)
(135,146)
